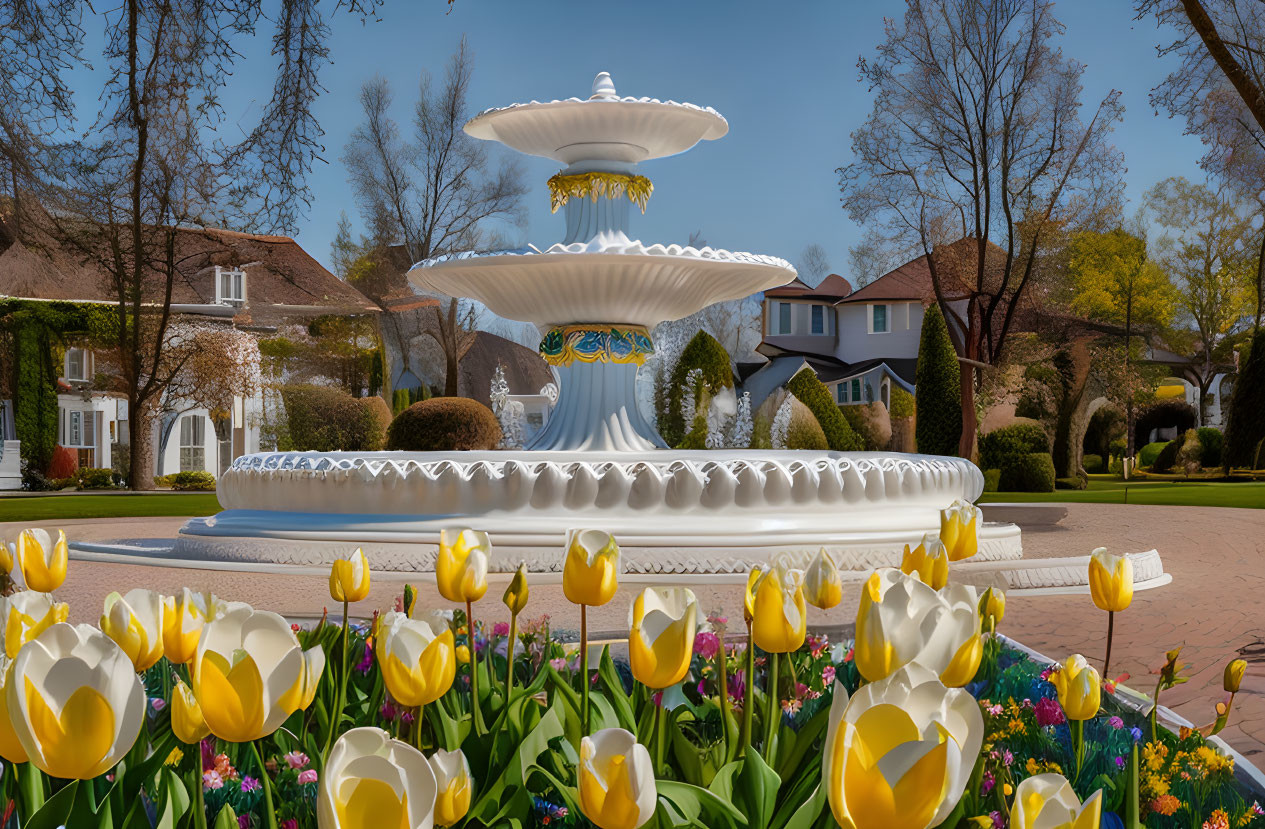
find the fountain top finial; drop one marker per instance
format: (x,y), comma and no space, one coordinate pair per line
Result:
(603,87)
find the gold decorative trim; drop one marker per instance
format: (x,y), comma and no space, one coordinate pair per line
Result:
(566,344)
(563,188)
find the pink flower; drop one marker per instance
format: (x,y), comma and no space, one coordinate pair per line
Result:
(296,759)
(707,645)
(828,676)
(559,663)
(243,822)
(158,703)
(501,629)
(996,710)
(1048,712)
(212,780)
(290,824)
(249,784)
(307,776)
(1115,722)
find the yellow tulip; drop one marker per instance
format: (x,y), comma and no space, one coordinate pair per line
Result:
(992,605)
(184,616)
(781,618)
(135,623)
(748,596)
(1233,676)
(453,784)
(1047,801)
(374,782)
(10,746)
(590,575)
(823,587)
(662,622)
(959,530)
(418,661)
(76,703)
(250,673)
(899,753)
(901,620)
(1079,688)
(6,558)
(463,655)
(461,567)
(1110,580)
(929,560)
(42,562)
(187,722)
(349,578)
(617,785)
(26,615)
(515,597)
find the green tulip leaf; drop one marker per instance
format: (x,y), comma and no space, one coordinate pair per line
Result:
(755,790)
(56,810)
(609,679)
(173,800)
(700,806)
(955,817)
(808,812)
(227,819)
(804,740)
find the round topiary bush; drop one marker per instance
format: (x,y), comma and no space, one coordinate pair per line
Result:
(805,431)
(1168,456)
(324,419)
(1031,472)
(871,421)
(379,421)
(1093,464)
(1147,454)
(810,391)
(444,424)
(1008,441)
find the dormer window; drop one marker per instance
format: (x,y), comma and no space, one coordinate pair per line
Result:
(230,286)
(78,368)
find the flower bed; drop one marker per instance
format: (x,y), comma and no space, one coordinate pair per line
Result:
(189,711)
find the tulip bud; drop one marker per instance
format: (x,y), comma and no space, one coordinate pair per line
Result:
(959,526)
(349,578)
(6,558)
(1233,676)
(823,587)
(992,607)
(1079,688)
(454,785)
(780,617)
(662,623)
(590,575)
(187,722)
(515,597)
(373,780)
(42,562)
(1110,580)
(461,565)
(748,598)
(79,704)
(928,560)
(135,623)
(26,615)
(617,784)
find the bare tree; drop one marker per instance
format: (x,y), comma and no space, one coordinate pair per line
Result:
(435,193)
(876,254)
(126,195)
(976,135)
(1218,88)
(813,264)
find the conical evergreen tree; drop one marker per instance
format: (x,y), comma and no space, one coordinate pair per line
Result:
(938,388)
(1246,430)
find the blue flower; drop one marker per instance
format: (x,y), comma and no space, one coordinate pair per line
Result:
(1136,733)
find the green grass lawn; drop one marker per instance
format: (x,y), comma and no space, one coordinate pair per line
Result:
(55,507)
(1109,490)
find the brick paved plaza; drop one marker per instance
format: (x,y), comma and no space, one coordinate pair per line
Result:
(1215,605)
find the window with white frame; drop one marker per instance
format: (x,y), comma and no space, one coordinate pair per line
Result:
(192,443)
(230,286)
(878,319)
(841,393)
(79,430)
(78,368)
(783,318)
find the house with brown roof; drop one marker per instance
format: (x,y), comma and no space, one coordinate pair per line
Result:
(250,282)
(861,342)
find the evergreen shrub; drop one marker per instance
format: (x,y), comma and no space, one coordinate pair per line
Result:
(444,424)
(812,393)
(939,384)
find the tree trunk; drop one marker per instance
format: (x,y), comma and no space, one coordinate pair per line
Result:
(450,368)
(140,475)
(1071,421)
(970,423)
(1128,379)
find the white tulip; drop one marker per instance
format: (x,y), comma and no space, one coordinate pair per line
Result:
(75,701)
(617,787)
(135,623)
(26,615)
(454,786)
(373,781)
(901,620)
(900,752)
(1048,800)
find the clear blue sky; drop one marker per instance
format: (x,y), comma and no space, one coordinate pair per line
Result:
(782,73)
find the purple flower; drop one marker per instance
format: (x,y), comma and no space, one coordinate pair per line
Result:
(208,753)
(707,645)
(738,683)
(1119,762)
(407,718)
(1135,733)
(1007,758)
(1115,722)
(243,822)
(987,783)
(366,661)
(998,819)
(249,784)
(558,663)
(307,776)
(1048,712)
(387,711)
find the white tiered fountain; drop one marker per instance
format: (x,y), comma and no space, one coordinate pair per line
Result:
(599,463)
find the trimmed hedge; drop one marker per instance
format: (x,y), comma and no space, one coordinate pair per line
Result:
(1245,434)
(1031,472)
(323,419)
(444,424)
(1018,439)
(199,481)
(992,480)
(96,478)
(1093,464)
(1167,456)
(379,420)
(938,380)
(703,352)
(1147,454)
(812,393)
(1212,442)
(902,403)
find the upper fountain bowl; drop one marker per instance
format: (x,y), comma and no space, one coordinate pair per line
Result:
(603,127)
